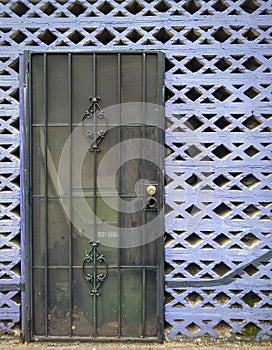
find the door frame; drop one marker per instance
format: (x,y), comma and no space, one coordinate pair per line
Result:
(26,201)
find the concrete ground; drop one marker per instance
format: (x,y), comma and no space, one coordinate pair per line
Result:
(117,346)
(8,342)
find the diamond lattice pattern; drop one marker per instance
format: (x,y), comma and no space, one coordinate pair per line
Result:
(218,163)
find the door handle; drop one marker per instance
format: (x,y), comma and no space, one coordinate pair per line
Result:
(151,190)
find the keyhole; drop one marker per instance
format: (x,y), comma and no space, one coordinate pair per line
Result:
(151,202)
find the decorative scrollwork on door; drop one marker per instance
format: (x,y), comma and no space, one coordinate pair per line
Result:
(94,125)
(95,268)
(93,131)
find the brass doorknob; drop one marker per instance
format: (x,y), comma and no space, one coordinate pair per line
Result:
(151,190)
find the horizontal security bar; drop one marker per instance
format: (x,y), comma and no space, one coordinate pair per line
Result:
(153,267)
(96,340)
(88,196)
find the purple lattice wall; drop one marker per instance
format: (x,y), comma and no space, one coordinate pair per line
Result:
(218,164)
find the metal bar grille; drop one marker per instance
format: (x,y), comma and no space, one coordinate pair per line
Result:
(56,269)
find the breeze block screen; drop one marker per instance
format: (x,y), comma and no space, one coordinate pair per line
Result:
(218,148)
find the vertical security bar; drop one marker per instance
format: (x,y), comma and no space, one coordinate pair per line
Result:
(22,99)
(160,258)
(119,187)
(94,257)
(46,195)
(70,197)
(94,148)
(144,170)
(30,326)
(26,181)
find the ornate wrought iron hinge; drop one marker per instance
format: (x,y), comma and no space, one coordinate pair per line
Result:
(97,263)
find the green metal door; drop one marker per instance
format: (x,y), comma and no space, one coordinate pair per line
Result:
(93,154)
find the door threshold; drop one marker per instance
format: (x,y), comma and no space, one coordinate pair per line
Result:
(98,339)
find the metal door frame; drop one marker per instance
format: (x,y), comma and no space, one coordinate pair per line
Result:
(26,200)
